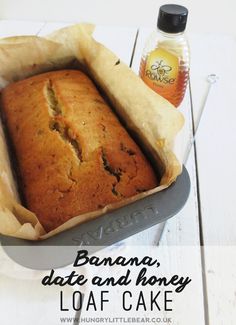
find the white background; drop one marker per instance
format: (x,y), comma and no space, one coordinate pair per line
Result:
(205,15)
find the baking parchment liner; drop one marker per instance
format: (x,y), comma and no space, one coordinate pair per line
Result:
(153,120)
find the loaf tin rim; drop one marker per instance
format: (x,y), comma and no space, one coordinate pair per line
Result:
(23,251)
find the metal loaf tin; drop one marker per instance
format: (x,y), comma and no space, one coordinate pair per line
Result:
(103,231)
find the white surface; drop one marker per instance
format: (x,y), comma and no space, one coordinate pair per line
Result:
(216,158)
(216,170)
(221,288)
(216,141)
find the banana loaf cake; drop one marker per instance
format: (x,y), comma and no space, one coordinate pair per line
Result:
(73,154)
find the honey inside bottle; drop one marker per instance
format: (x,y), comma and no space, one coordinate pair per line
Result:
(164,65)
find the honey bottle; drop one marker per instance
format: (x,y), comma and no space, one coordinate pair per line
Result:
(164,65)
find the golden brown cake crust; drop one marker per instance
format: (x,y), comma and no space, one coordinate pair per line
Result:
(74,155)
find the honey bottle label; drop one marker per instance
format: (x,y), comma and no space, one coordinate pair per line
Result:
(161,71)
